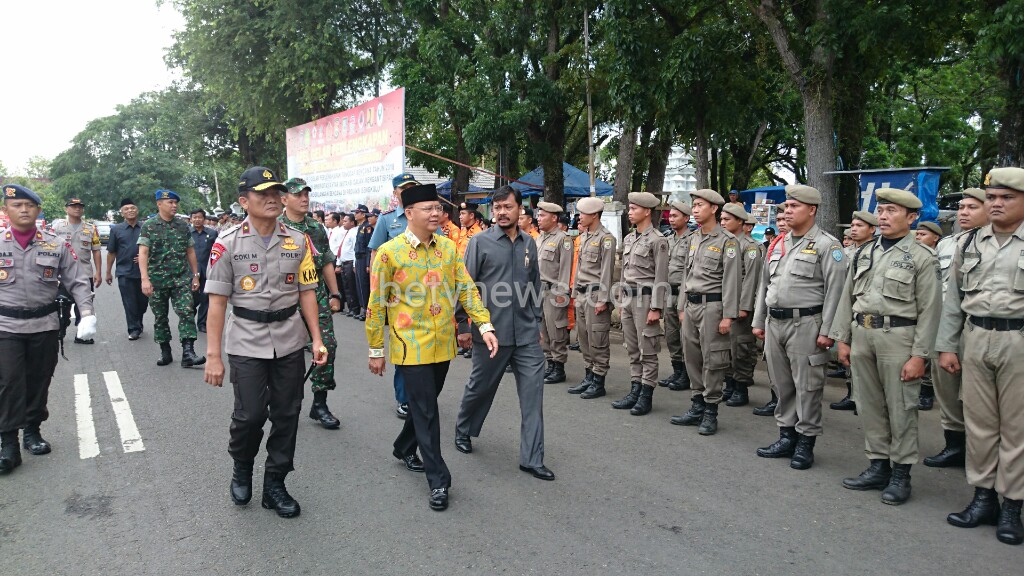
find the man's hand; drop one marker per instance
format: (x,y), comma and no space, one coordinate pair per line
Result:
(147,287)
(913,369)
(135,259)
(465,340)
(492,342)
(759,333)
(654,316)
(725,326)
(87,327)
(825,343)
(213,374)
(319,352)
(110,278)
(744,313)
(335,304)
(600,308)
(195,283)
(844,353)
(949,362)
(681,316)
(377,366)
(97,280)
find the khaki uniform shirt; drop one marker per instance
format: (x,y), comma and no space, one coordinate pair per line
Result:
(596,264)
(991,278)
(713,267)
(752,253)
(258,276)
(901,281)
(945,250)
(555,249)
(29,278)
(678,249)
(83,237)
(803,274)
(645,264)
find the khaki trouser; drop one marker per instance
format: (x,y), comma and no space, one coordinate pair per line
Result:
(743,345)
(643,340)
(797,368)
(556,328)
(592,329)
(672,336)
(947,392)
(887,406)
(993,391)
(707,353)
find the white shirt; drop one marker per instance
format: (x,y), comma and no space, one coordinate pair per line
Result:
(334,237)
(348,246)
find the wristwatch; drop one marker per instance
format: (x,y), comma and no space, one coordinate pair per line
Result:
(338,296)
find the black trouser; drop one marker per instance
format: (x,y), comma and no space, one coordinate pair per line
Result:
(201,303)
(134,301)
(27,362)
(348,284)
(363,279)
(266,388)
(423,384)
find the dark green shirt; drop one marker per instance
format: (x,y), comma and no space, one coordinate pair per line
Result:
(317,235)
(168,244)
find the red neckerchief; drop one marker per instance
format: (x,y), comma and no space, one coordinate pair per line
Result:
(23,238)
(778,239)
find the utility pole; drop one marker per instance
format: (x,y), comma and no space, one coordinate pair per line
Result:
(590,114)
(216,186)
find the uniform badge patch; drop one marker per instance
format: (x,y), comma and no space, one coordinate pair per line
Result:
(47,272)
(254,267)
(289,278)
(289,244)
(752,254)
(608,243)
(3,274)
(216,251)
(730,252)
(837,255)
(567,244)
(247,283)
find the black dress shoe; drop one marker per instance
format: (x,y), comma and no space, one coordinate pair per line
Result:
(81,341)
(575,346)
(241,483)
(321,413)
(541,472)
(463,444)
(983,509)
(33,441)
(1010,530)
(439,499)
(10,452)
(412,461)
(133,335)
(876,477)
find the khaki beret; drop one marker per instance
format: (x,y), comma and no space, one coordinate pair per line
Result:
(1009,177)
(866,217)
(898,197)
(590,205)
(976,193)
(931,227)
(709,195)
(803,193)
(644,199)
(751,220)
(549,207)
(736,210)
(681,206)
(847,233)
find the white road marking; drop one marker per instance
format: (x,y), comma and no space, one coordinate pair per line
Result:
(131,440)
(88,447)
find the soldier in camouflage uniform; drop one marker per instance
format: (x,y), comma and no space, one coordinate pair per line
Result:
(166,256)
(295,216)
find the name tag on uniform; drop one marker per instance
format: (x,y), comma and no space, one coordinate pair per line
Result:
(808,251)
(714,249)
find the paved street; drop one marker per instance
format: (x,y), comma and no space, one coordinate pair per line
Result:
(634,495)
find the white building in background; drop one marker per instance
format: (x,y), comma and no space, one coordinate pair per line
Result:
(680,176)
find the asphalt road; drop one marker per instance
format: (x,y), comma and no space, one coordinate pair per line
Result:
(634,495)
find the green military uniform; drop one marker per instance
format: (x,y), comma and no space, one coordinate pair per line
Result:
(678,249)
(889,313)
(170,275)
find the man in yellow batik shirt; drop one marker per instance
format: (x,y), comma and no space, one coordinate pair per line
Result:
(416,280)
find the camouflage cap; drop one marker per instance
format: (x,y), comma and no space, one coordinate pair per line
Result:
(1008,177)
(296,185)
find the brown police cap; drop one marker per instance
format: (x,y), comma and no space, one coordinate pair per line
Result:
(803,193)
(644,199)
(898,197)
(681,206)
(737,211)
(931,227)
(590,205)
(549,207)
(866,217)
(1008,177)
(976,193)
(709,195)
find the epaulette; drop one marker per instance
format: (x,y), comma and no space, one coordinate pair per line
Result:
(230,230)
(388,212)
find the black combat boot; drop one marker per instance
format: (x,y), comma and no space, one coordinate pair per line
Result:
(739,395)
(319,411)
(10,452)
(683,382)
(784,447)
(165,354)
(709,423)
(596,388)
(644,402)
(953,455)
(730,387)
(276,497)
(674,376)
(1010,530)
(547,368)
(584,384)
(846,403)
(189,358)
(898,490)
(803,457)
(926,399)
(694,415)
(241,483)
(557,373)
(33,441)
(630,399)
(769,408)
(983,509)
(876,477)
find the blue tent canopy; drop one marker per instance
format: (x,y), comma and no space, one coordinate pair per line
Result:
(777,194)
(576,182)
(445,188)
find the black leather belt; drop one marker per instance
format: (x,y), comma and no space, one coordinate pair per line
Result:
(998,324)
(265,316)
(587,288)
(878,321)
(788,313)
(675,290)
(28,313)
(694,298)
(349,262)
(634,290)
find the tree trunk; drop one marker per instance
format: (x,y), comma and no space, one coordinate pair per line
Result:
(658,160)
(643,146)
(714,168)
(461,183)
(818,138)
(1011,125)
(851,104)
(624,164)
(702,170)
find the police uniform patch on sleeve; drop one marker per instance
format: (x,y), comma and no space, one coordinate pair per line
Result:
(730,252)
(837,254)
(289,278)
(216,251)
(566,244)
(608,242)
(752,253)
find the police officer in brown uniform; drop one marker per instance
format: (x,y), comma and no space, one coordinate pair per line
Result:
(555,250)
(595,265)
(983,316)
(971,214)
(743,343)
(33,263)
(711,282)
(678,249)
(861,230)
(266,271)
(796,304)
(889,315)
(644,293)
